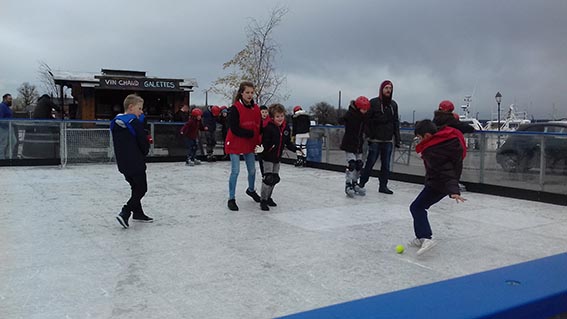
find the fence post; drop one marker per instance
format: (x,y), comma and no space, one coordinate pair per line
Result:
(10,155)
(542,164)
(483,146)
(62,144)
(326,137)
(152,130)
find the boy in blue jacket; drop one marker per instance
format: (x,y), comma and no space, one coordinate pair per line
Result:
(131,145)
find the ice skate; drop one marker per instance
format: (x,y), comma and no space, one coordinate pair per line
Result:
(349,190)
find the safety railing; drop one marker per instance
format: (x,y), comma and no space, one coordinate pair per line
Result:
(519,160)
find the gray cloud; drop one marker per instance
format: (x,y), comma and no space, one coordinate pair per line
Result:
(431,50)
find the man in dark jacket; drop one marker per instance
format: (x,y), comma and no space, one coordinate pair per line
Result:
(382,130)
(210,117)
(131,145)
(44,107)
(442,152)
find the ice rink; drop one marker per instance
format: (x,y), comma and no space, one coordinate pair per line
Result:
(63,254)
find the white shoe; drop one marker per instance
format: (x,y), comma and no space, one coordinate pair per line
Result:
(359,190)
(197,162)
(190,163)
(416,242)
(426,246)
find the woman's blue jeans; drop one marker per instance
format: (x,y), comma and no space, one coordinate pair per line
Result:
(250,160)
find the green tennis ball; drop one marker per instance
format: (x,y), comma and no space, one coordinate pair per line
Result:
(400,249)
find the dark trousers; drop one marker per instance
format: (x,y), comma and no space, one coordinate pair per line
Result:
(418,209)
(139,187)
(383,150)
(261,162)
(211,142)
(191,148)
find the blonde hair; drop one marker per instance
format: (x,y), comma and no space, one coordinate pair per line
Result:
(241,88)
(132,99)
(276,108)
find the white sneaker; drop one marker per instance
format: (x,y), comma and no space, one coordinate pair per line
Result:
(197,162)
(416,242)
(426,246)
(359,190)
(190,163)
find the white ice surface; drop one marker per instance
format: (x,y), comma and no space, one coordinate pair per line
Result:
(63,255)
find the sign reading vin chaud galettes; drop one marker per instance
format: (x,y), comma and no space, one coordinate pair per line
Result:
(139,84)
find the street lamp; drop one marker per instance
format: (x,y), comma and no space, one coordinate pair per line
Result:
(207,97)
(413,118)
(498,98)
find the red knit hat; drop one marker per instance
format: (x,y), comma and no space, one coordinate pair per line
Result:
(446,106)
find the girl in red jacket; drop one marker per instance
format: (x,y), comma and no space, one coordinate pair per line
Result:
(243,136)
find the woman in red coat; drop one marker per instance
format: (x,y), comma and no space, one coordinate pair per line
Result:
(243,136)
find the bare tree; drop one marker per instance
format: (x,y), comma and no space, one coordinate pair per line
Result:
(256,62)
(27,95)
(325,113)
(46,78)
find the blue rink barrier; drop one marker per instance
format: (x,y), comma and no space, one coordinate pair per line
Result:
(534,289)
(314,150)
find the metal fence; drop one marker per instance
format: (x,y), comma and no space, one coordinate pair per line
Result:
(530,161)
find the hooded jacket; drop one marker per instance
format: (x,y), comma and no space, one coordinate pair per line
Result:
(354,123)
(209,121)
(300,122)
(383,122)
(191,128)
(274,139)
(130,144)
(442,118)
(443,154)
(43,107)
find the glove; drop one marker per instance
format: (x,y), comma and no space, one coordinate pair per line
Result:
(259,149)
(398,145)
(150,139)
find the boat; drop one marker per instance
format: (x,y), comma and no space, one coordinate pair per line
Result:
(511,122)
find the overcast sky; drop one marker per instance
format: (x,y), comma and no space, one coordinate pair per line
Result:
(431,50)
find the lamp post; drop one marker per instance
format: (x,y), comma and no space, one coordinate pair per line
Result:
(498,98)
(413,119)
(207,97)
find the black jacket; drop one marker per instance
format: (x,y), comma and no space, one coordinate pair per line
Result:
(441,119)
(130,149)
(181,116)
(43,108)
(300,123)
(383,121)
(443,156)
(274,139)
(354,123)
